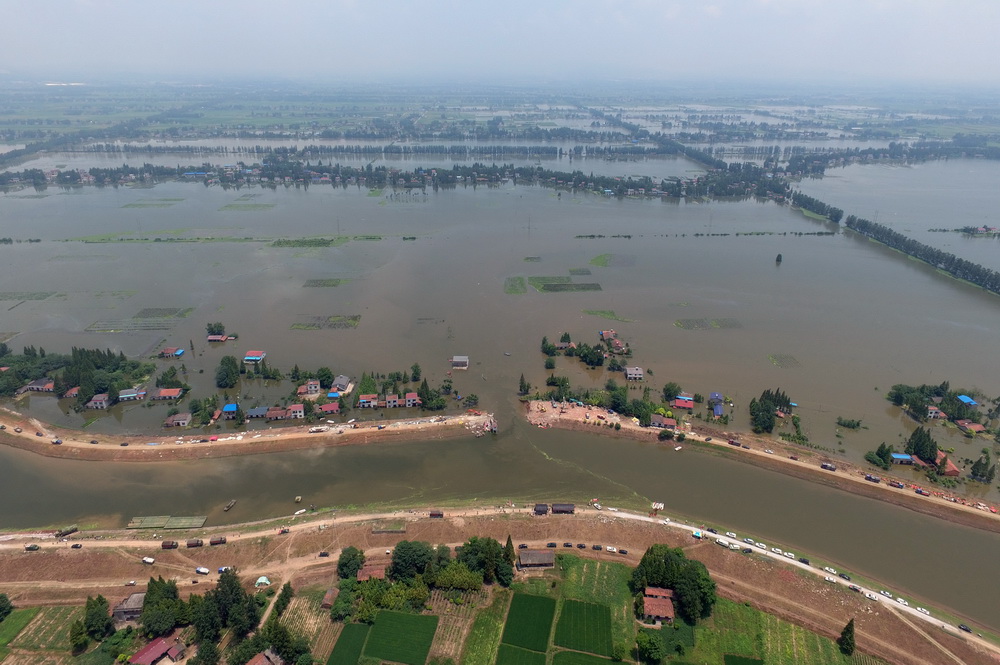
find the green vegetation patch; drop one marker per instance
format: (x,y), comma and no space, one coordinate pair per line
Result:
(511,655)
(728,324)
(371,237)
(529,622)
(484,637)
(248,207)
(601,261)
(601,582)
(14,624)
(157,313)
(783,360)
(730,659)
(153,203)
(578,272)
(693,324)
(132,325)
(334,322)
(26,295)
(584,627)
(607,314)
(305,326)
(349,645)
(614,260)
(577,658)
(401,638)
(374,192)
(324,283)
(49,631)
(679,633)
(515,286)
(533,259)
(560,288)
(336,241)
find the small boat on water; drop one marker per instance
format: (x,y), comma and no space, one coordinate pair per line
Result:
(300,511)
(506,353)
(298,499)
(677,448)
(230,505)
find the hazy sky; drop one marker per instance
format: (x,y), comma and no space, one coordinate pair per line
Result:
(915,41)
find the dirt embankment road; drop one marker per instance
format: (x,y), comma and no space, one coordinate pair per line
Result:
(38,438)
(774,455)
(57,574)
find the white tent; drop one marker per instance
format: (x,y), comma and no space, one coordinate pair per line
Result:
(262,581)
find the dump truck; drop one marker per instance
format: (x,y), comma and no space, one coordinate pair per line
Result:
(195,542)
(168,545)
(218,540)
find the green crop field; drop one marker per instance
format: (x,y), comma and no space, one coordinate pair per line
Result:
(14,624)
(577,658)
(49,630)
(601,582)
(515,286)
(529,622)
(584,627)
(730,659)
(349,645)
(511,655)
(484,638)
(402,638)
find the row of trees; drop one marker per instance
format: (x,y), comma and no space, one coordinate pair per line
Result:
(762,409)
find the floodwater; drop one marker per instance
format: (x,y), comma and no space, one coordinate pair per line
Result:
(834,325)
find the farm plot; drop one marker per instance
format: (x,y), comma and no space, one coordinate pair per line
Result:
(14,624)
(529,622)
(49,630)
(349,645)
(305,617)
(455,621)
(484,637)
(402,638)
(511,655)
(577,658)
(601,582)
(584,627)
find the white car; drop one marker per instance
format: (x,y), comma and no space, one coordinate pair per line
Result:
(870,596)
(777,551)
(789,555)
(902,601)
(760,545)
(829,579)
(720,541)
(768,451)
(734,546)
(748,541)
(885,593)
(830,570)
(611,548)
(923,611)
(665,520)
(730,534)
(614,510)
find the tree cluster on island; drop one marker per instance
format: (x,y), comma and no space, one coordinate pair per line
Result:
(764,408)
(668,568)
(915,400)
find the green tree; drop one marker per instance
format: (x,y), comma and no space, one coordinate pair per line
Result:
(409,559)
(550,363)
(205,617)
(159,608)
(846,639)
(6,607)
(325,377)
(667,567)
(670,391)
(456,575)
(523,387)
(228,372)
(486,556)
(508,550)
(97,619)
(651,648)
(415,372)
(208,654)
(215,329)
(78,639)
(350,562)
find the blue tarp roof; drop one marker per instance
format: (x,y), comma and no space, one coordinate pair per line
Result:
(229,407)
(179,352)
(967,400)
(333,395)
(900,456)
(717,409)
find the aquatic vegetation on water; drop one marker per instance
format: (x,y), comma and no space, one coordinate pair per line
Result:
(515,285)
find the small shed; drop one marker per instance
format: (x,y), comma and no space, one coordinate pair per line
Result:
(563,508)
(437,514)
(460,362)
(329,597)
(541,509)
(901,458)
(129,608)
(537,558)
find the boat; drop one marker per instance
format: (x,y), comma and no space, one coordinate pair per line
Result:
(298,499)
(300,511)
(677,448)
(230,505)
(506,353)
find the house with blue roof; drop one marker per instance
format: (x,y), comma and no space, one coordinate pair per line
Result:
(901,458)
(229,411)
(965,399)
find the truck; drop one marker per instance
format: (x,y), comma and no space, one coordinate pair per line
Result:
(32,548)
(195,542)
(218,540)
(148,560)
(827,466)
(168,545)
(201,570)
(223,569)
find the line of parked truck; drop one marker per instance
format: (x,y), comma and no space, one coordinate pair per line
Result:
(194,542)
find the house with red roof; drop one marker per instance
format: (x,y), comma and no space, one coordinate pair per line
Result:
(167,393)
(412,399)
(369,401)
(333,408)
(935,413)
(72,392)
(969,426)
(296,411)
(949,467)
(158,649)
(658,604)
(656,420)
(276,413)
(681,402)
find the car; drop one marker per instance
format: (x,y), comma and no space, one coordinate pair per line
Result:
(768,451)
(902,601)
(39,434)
(793,458)
(389,551)
(567,544)
(623,551)
(711,530)
(665,520)
(708,438)
(522,546)
(123,444)
(829,579)
(870,596)
(804,560)
(550,545)
(283,531)
(597,547)
(777,551)
(581,546)
(57,442)
(962,626)
(760,545)
(614,510)
(748,541)
(885,593)
(612,549)
(854,587)
(18,430)
(789,555)
(845,576)
(201,570)
(747,550)
(730,534)
(77,546)
(3,427)
(923,611)
(745,447)
(130,583)
(94,441)
(324,554)
(830,570)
